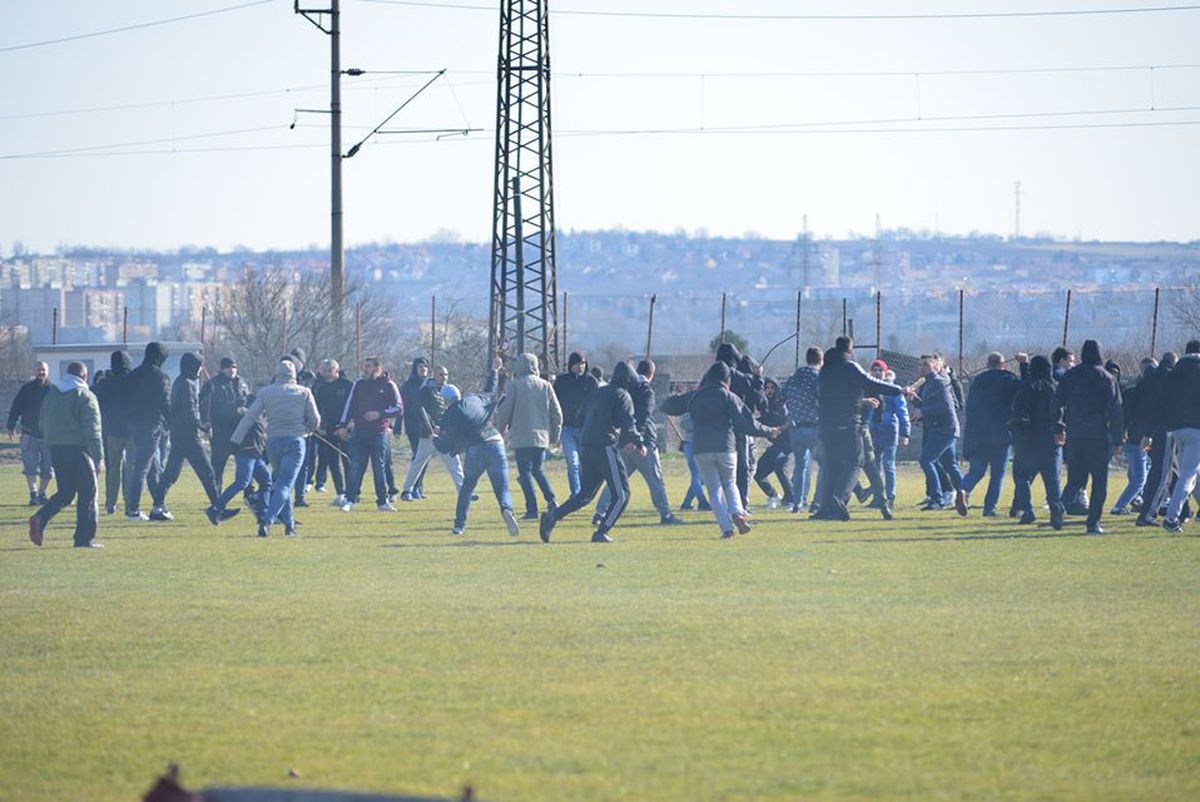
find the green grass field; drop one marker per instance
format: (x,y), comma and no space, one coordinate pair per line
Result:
(933,659)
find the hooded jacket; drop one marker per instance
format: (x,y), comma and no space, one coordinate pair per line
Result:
(410,395)
(889,421)
(27,407)
(936,400)
(1035,420)
(70,416)
(185,399)
(642,395)
(469,421)
(1090,399)
(223,401)
(1151,407)
(742,382)
(1133,406)
(573,391)
(150,391)
(841,388)
(717,414)
(290,408)
(989,407)
(530,409)
(113,395)
(1181,395)
(608,417)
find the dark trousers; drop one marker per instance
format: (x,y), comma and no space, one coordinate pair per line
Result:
(1029,462)
(599,465)
(774,461)
(186,447)
(332,463)
(1089,457)
(529,470)
(222,449)
(369,447)
(870,467)
(1076,478)
(76,476)
(144,467)
(842,456)
(115,469)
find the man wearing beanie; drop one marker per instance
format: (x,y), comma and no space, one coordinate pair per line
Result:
(573,389)
(1090,400)
(222,403)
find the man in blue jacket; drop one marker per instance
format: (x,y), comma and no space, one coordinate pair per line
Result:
(934,406)
(986,438)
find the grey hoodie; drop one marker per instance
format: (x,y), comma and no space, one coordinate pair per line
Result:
(290,408)
(529,409)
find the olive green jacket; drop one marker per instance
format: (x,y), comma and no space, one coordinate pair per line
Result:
(71,417)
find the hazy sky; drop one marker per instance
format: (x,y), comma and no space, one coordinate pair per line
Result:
(267,186)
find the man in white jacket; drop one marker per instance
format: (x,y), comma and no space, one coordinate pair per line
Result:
(533,417)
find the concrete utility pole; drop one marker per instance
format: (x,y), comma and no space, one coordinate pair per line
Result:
(1017,221)
(337,280)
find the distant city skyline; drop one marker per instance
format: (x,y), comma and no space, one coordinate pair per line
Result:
(661,123)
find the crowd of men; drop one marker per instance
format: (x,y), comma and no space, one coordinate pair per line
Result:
(305,430)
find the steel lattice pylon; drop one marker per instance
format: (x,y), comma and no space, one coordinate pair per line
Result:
(524,292)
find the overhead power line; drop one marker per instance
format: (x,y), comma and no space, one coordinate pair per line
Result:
(115,145)
(135,27)
(1077,12)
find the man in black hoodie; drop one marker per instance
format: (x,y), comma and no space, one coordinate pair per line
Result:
(35,454)
(331,391)
(223,401)
(1037,435)
(149,402)
(1181,416)
(185,427)
(414,420)
(1151,409)
(113,395)
(608,425)
(747,385)
(843,384)
(1090,400)
(985,436)
(649,465)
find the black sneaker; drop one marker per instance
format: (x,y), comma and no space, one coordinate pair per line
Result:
(1172,526)
(990,513)
(1013,512)
(159,514)
(530,516)
(262,529)
(1144,521)
(597,519)
(1027,518)
(670,520)
(300,502)
(546,526)
(885,510)
(289,530)
(1056,518)
(213,515)
(600,537)
(704,506)
(110,509)
(227,514)
(727,535)
(33,500)
(1095,529)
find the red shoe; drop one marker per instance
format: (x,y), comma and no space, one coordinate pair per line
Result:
(36,530)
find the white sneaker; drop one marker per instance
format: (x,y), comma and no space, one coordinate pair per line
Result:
(385,507)
(339,501)
(347,506)
(773,503)
(510,521)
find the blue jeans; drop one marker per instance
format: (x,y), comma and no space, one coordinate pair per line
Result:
(364,446)
(1139,467)
(478,458)
(695,488)
(804,443)
(993,459)
(247,468)
(570,445)
(286,455)
(936,444)
(885,456)
(529,470)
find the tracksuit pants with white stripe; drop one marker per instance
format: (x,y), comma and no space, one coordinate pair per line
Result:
(599,465)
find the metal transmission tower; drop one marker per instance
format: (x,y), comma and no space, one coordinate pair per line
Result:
(524,293)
